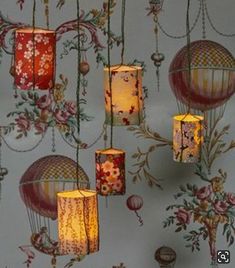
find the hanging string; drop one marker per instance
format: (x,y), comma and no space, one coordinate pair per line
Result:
(188,57)
(110,74)
(33,24)
(78,90)
(123,30)
(46,3)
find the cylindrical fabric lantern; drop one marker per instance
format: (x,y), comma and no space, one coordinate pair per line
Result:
(187,138)
(110,172)
(35,53)
(127,97)
(78,223)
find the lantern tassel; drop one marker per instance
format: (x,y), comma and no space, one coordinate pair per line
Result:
(139,218)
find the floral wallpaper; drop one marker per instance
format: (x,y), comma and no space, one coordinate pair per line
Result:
(162,203)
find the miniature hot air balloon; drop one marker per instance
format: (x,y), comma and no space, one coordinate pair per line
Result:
(135,202)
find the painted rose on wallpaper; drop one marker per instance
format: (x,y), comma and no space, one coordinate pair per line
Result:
(209,206)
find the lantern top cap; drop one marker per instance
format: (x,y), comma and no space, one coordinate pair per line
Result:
(123,68)
(34,30)
(77,194)
(188,118)
(110,151)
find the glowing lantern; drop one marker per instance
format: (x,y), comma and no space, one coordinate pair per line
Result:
(34,58)
(110,172)
(212,75)
(187,138)
(126,98)
(78,222)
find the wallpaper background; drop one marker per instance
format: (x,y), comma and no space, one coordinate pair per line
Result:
(122,240)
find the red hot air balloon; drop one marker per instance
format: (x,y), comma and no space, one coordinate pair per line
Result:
(135,202)
(212,75)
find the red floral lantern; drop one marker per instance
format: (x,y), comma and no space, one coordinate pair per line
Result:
(110,172)
(34,58)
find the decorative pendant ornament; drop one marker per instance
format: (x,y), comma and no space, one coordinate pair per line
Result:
(110,172)
(135,202)
(187,138)
(166,257)
(84,67)
(157,57)
(78,222)
(3,171)
(34,58)
(127,100)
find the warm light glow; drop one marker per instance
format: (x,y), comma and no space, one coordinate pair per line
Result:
(34,58)
(110,172)
(78,222)
(187,138)
(127,97)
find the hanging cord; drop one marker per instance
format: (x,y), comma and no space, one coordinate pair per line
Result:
(110,74)
(33,40)
(78,91)
(123,30)
(46,3)
(188,57)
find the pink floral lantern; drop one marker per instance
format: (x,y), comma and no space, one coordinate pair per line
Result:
(125,94)
(110,172)
(34,58)
(187,138)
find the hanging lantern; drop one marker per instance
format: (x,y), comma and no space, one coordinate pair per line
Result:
(187,138)
(135,202)
(78,222)
(110,172)
(126,98)
(34,58)
(212,75)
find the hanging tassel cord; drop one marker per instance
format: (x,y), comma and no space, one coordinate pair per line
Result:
(110,74)
(123,30)
(33,41)
(78,91)
(188,57)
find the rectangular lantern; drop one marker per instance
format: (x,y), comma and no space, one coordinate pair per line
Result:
(35,53)
(78,222)
(110,172)
(127,100)
(187,138)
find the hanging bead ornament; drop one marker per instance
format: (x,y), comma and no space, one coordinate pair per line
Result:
(156,57)
(84,66)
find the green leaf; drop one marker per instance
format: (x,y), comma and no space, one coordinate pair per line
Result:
(182,188)
(23,96)
(178,229)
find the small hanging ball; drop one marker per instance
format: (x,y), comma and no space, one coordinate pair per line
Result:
(84,67)
(134,202)
(157,57)
(165,255)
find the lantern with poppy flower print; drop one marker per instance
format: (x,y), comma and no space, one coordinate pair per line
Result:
(110,172)
(125,95)
(187,138)
(34,58)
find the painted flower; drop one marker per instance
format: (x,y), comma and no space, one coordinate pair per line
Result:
(45,40)
(23,123)
(231,198)
(30,45)
(28,54)
(71,108)
(105,189)
(61,116)
(204,193)
(19,46)
(217,184)
(40,71)
(107,166)
(40,127)
(38,38)
(112,176)
(117,186)
(220,207)
(183,216)
(44,102)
